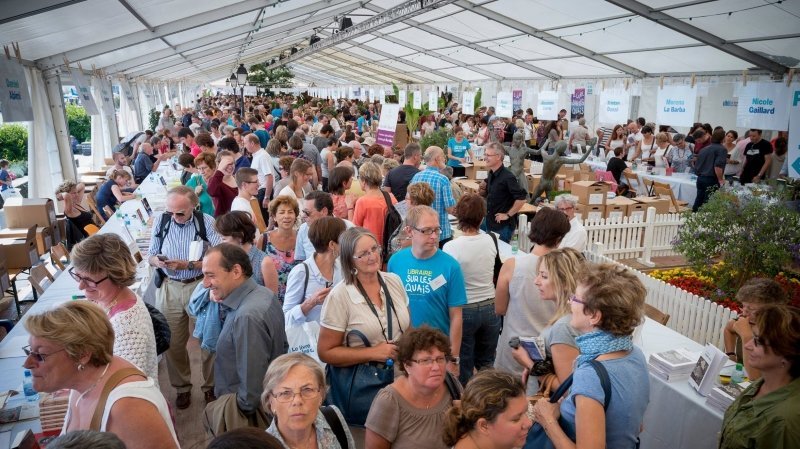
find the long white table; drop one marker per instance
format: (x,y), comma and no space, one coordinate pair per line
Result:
(684,186)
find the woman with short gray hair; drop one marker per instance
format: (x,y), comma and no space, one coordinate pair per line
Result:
(294,389)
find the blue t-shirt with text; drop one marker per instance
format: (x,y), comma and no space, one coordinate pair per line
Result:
(459,149)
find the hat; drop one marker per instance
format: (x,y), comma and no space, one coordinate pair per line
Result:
(677,137)
(369,141)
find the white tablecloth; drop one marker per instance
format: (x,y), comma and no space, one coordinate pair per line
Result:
(684,187)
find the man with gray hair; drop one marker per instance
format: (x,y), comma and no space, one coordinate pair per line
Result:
(577,236)
(504,196)
(174,231)
(398,178)
(443,201)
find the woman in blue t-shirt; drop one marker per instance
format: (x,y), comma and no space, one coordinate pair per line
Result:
(111,193)
(607,306)
(457,149)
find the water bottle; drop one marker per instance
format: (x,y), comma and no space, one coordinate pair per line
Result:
(514,244)
(738,374)
(27,386)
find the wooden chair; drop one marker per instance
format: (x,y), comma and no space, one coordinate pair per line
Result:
(57,253)
(665,191)
(91,229)
(649,187)
(40,278)
(92,202)
(258,219)
(656,315)
(108,211)
(633,181)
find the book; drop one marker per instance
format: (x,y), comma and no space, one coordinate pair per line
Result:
(675,362)
(534,346)
(706,370)
(721,397)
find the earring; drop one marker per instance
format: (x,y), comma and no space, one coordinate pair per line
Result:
(81,367)
(355,271)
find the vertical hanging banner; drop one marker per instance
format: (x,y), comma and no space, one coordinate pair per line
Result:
(127,92)
(676,105)
(416,99)
(468,102)
(615,106)
(432,103)
(387,124)
(84,91)
(577,103)
(401,98)
(516,99)
(107,95)
(794,134)
(14,95)
(372,97)
(383,96)
(764,106)
(504,106)
(547,105)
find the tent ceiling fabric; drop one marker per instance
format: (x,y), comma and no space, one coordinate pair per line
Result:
(467,40)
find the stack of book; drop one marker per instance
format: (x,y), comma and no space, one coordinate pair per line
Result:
(672,365)
(53,409)
(722,397)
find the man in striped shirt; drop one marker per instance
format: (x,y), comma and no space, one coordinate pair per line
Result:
(169,251)
(443,201)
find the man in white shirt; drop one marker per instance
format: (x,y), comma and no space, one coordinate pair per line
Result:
(262,163)
(577,236)
(315,205)
(634,137)
(247,182)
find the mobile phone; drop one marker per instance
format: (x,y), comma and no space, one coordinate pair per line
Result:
(162,257)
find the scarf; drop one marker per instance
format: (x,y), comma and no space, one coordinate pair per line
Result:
(600,342)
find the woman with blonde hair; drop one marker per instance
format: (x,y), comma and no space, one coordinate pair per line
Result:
(493,413)
(77,216)
(301,174)
(371,209)
(71,347)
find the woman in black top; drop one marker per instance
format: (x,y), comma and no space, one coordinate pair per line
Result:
(72,195)
(616,165)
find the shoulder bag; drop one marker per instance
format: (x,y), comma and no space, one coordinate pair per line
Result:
(112,383)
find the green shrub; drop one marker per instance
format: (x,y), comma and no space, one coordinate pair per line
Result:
(153,117)
(437,138)
(14,142)
(79,123)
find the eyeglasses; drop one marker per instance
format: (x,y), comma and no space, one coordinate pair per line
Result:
(491,154)
(91,283)
(564,209)
(38,356)
(429,361)
(574,298)
(288,395)
(375,249)
(428,231)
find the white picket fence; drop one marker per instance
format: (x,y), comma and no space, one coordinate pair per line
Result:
(627,237)
(690,315)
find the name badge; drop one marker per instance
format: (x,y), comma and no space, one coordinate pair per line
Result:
(437,282)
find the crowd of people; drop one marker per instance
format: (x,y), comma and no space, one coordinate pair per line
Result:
(418,320)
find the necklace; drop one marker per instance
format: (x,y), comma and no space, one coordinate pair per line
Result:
(307,443)
(92,387)
(111,305)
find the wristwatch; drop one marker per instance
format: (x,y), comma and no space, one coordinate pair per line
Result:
(190,265)
(455,360)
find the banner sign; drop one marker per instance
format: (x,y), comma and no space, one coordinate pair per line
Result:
(387,124)
(15,97)
(416,99)
(433,104)
(468,102)
(84,91)
(250,91)
(577,103)
(401,98)
(504,106)
(794,134)
(676,105)
(107,95)
(615,106)
(127,92)
(764,106)
(516,102)
(547,105)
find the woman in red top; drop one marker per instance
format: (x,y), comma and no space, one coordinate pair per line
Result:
(222,186)
(371,209)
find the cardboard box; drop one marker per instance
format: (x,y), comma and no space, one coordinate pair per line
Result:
(527,165)
(583,176)
(20,252)
(27,212)
(44,237)
(618,207)
(478,170)
(661,204)
(591,192)
(560,182)
(637,212)
(591,211)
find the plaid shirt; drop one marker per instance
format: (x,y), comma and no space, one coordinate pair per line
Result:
(442,196)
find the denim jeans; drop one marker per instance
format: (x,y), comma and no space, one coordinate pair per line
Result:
(505,232)
(481,329)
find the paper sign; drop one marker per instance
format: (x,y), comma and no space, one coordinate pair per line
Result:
(416,99)
(250,91)
(614,106)
(387,124)
(84,91)
(764,106)
(437,282)
(578,103)
(14,95)
(504,107)
(547,105)
(794,133)
(127,92)
(402,98)
(516,99)
(676,105)
(468,102)
(432,101)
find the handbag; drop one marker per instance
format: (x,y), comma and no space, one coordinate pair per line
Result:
(537,437)
(113,382)
(498,264)
(352,388)
(160,329)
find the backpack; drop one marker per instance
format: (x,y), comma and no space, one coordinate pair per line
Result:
(390,224)
(164,224)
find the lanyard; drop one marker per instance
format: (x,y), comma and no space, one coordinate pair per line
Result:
(389,309)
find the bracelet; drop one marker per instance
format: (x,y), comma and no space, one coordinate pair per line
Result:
(731,353)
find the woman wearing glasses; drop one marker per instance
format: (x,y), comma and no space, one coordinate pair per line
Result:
(369,301)
(294,388)
(410,413)
(206,165)
(104,269)
(765,414)
(310,282)
(71,347)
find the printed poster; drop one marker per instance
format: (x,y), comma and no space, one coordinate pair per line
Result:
(764,106)
(416,99)
(387,124)
(547,105)
(433,103)
(614,107)
(504,107)
(578,103)
(125,90)
(15,97)
(83,87)
(468,102)
(794,133)
(676,105)
(516,101)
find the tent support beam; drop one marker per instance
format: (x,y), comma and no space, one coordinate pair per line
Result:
(701,35)
(550,39)
(16,10)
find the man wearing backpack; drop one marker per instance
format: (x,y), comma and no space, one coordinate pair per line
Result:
(174,233)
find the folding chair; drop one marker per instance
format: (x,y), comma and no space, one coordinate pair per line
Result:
(40,278)
(656,315)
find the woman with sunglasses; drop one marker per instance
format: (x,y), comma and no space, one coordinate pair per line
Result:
(369,301)
(104,269)
(310,282)
(765,415)
(294,388)
(77,216)
(410,413)
(71,347)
